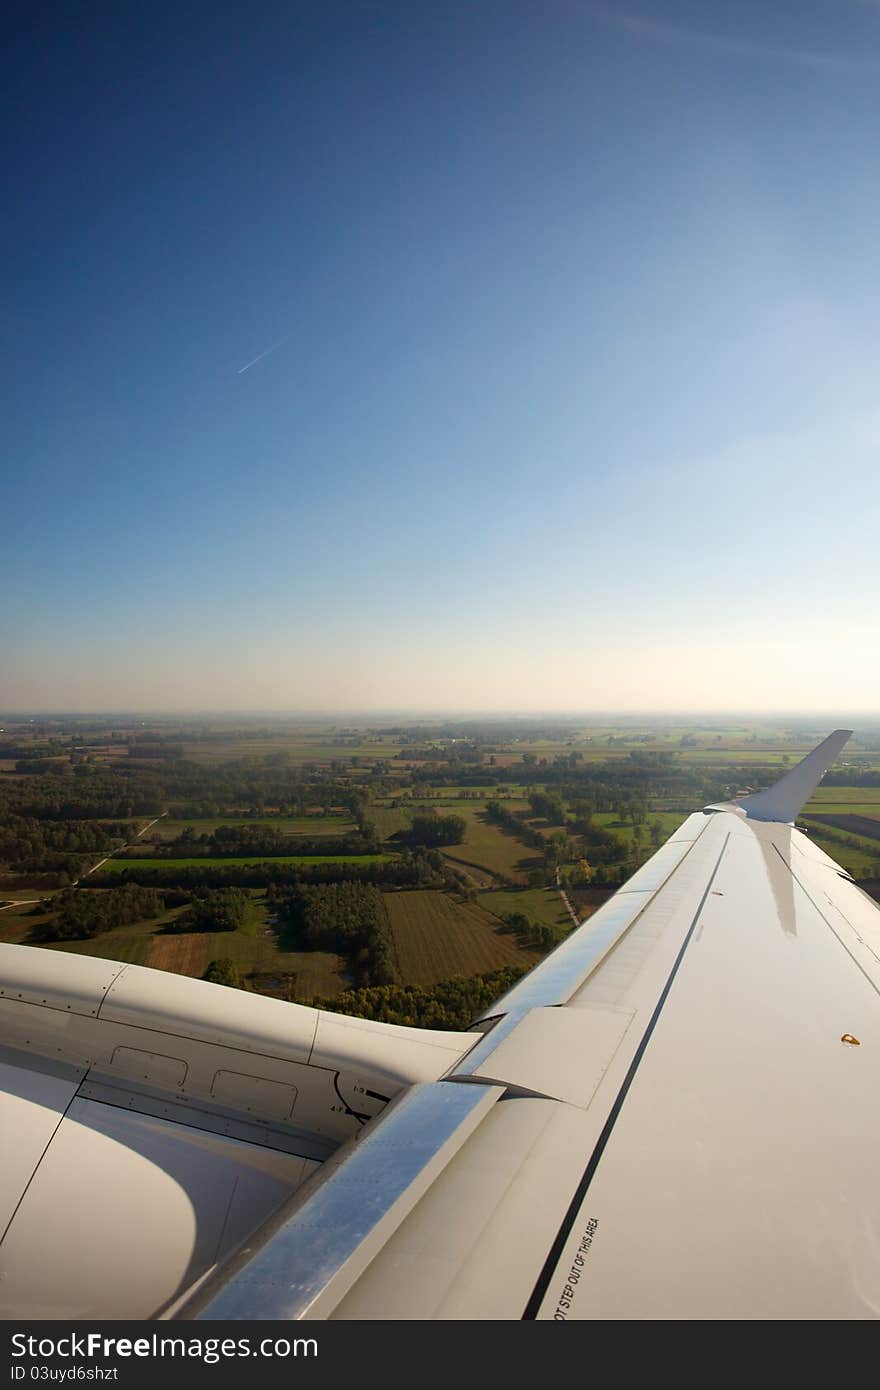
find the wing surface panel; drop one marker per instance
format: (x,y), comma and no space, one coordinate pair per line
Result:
(124,1209)
(737,1177)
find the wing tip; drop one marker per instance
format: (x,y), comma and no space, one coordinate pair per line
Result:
(784,799)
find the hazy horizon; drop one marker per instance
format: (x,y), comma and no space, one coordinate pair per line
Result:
(442,356)
(599,716)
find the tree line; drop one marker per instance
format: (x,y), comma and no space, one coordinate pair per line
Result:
(81,915)
(240,841)
(452,1004)
(31,845)
(214,910)
(429,830)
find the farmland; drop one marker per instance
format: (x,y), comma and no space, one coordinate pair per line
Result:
(257,949)
(437,937)
(867,827)
(296,749)
(490,847)
(669,823)
(389,820)
(72,794)
(866,799)
(538,904)
(858,861)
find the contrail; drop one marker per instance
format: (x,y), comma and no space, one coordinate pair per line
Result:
(641,26)
(253,362)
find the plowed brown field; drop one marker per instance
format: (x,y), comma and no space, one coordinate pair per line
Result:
(186,954)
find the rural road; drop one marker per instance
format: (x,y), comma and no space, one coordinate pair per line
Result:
(565,898)
(26,902)
(116,851)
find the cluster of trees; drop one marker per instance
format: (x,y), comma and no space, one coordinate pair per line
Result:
(452,1004)
(223,972)
(577,875)
(539,935)
(607,857)
(609,786)
(102,794)
(429,830)
(28,844)
(131,787)
(605,848)
(223,909)
(239,841)
(549,806)
(349,918)
(515,823)
(82,914)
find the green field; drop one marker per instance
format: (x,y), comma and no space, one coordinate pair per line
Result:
(669,821)
(850,797)
(129,944)
(538,904)
(492,848)
(388,820)
(861,862)
(437,937)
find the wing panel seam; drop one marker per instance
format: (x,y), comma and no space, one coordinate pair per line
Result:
(552,1260)
(836,934)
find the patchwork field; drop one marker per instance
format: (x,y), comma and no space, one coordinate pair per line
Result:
(298,750)
(256,949)
(857,798)
(437,938)
(436,934)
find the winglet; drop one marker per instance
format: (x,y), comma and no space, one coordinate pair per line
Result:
(784,799)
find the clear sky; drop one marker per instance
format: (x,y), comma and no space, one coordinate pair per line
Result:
(510,354)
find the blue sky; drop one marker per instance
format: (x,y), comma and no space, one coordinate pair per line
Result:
(572,396)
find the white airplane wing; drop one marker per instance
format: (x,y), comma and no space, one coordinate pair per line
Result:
(673,1116)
